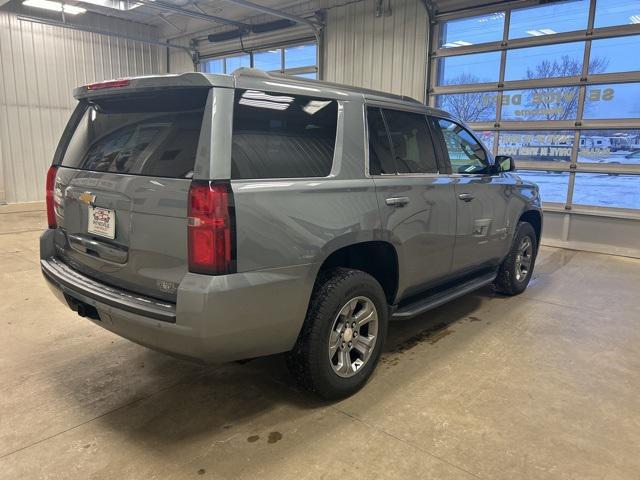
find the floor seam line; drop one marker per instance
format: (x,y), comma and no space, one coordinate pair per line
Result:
(382,430)
(572,307)
(23,231)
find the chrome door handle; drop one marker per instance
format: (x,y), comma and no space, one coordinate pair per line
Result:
(397,201)
(466,197)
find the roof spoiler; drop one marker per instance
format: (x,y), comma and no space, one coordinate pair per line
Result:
(149,83)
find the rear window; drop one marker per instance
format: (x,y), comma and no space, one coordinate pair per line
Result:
(155,134)
(277,135)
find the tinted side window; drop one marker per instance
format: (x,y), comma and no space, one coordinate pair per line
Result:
(465,153)
(278,135)
(411,142)
(380,154)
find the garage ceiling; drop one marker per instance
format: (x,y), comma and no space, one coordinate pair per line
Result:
(173,17)
(174,23)
(183,18)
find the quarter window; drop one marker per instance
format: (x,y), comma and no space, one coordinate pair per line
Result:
(465,153)
(278,135)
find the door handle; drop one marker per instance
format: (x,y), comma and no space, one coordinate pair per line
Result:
(397,201)
(466,197)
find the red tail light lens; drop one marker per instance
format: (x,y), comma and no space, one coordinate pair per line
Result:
(210,229)
(50,196)
(122,82)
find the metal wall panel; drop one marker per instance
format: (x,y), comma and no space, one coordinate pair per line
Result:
(179,60)
(39,67)
(385,53)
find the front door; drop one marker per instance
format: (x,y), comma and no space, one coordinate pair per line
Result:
(481,199)
(417,205)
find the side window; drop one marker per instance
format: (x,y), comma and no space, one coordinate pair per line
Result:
(465,153)
(380,154)
(278,135)
(399,142)
(411,142)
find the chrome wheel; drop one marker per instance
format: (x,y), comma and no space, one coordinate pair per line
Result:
(524,258)
(353,336)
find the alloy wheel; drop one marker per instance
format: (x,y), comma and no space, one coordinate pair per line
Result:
(353,336)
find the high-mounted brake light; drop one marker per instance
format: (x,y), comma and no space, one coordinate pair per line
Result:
(123,82)
(50,196)
(210,230)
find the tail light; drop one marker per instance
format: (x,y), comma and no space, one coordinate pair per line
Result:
(210,228)
(121,82)
(50,196)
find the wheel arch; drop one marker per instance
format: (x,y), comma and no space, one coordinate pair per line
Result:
(378,258)
(534,218)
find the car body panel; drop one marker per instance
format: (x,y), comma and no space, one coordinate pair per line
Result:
(285,228)
(423,231)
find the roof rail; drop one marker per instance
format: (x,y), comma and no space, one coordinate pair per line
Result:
(257,73)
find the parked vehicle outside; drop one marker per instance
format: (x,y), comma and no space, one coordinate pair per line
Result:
(222,217)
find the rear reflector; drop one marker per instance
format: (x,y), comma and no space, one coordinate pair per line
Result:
(210,229)
(50,196)
(123,82)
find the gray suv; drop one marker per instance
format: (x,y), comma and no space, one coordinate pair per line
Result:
(222,217)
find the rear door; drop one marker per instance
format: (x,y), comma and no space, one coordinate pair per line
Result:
(417,205)
(122,187)
(481,198)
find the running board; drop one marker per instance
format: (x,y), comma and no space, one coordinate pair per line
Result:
(435,300)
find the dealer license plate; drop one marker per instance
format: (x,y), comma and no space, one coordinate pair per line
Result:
(102,221)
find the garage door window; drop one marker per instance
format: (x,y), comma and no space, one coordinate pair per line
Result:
(558,86)
(299,59)
(465,153)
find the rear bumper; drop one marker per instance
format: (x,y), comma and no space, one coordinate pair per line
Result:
(215,318)
(85,289)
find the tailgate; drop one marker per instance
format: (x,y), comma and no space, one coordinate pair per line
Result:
(121,189)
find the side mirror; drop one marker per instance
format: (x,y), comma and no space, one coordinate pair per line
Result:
(505,163)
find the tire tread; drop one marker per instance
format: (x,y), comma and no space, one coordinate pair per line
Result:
(505,281)
(304,363)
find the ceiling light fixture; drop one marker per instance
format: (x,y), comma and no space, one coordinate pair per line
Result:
(54,6)
(541,32)
(314,106)
(122,5)
(457,43)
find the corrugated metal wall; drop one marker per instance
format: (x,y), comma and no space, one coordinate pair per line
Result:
(179,60)
(384,53)
(39,67)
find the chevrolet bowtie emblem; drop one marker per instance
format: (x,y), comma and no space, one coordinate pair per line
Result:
(87,197)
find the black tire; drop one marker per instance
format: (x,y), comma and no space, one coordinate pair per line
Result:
(310,361)
(507,281)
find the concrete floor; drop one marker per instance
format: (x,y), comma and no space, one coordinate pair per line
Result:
(545,385)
